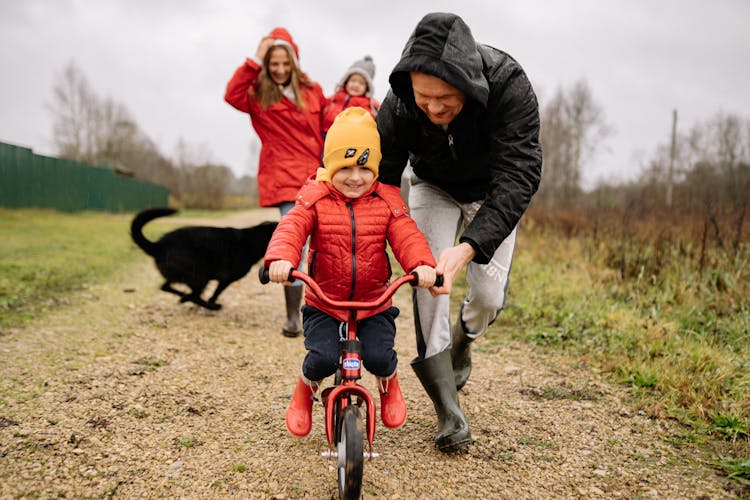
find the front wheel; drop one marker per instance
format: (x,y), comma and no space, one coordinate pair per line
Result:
(350,453)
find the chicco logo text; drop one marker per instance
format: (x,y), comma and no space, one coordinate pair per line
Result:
(351,364)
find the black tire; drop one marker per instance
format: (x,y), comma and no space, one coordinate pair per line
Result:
(350,454)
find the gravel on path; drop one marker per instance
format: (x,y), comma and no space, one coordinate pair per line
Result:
(124,393)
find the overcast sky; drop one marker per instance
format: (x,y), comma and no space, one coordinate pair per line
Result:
(168,61)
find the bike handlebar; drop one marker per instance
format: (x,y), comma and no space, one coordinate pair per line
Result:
(410,278)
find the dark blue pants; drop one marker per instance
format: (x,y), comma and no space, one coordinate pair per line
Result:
(376,333)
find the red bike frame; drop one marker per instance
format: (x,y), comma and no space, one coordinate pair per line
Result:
(351,360)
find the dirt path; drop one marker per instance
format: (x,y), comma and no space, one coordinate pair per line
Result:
(128,394)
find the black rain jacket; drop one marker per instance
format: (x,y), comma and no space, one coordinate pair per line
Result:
(490,151)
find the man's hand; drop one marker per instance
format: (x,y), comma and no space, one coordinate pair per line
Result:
(449,264)
(278,271)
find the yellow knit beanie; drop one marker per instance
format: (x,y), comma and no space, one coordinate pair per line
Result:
(353,139)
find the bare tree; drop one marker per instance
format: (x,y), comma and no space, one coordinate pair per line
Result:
(733,163)
(556,139)
(102,132)
(721,146)
(75,108)
(205,186)
(573,129)
(117,133)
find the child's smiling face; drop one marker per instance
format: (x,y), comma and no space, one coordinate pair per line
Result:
(353,181)
(356,85)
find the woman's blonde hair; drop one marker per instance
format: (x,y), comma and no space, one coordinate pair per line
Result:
(268,92)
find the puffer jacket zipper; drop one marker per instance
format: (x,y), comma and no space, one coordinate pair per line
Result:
(354,249)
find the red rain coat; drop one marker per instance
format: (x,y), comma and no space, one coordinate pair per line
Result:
(292,140)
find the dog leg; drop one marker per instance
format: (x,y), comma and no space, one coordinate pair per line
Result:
(167,287)
(219,288)
(196,299)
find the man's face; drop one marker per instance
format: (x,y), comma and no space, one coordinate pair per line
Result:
(440,101)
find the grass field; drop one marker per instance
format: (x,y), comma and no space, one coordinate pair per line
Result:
(681,342)
(45,254)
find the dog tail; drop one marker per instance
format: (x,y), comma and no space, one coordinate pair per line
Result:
(140,220)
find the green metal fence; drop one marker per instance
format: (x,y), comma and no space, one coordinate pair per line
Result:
(32,180)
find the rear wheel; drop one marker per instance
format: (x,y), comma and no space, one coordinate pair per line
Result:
(350,453)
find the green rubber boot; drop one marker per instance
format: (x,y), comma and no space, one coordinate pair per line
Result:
(460,352)
(436,375)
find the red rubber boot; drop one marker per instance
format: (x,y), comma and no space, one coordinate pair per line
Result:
(299,413)
(392,404)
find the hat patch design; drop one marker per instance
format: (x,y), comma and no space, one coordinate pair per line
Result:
(363,157)
(350,152)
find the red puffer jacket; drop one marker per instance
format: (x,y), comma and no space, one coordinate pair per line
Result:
(292,141)
(347,255)
(339,101)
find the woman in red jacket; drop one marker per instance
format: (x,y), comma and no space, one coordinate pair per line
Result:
(350,218)
(285,109)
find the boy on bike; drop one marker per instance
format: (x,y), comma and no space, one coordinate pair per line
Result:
(350,218)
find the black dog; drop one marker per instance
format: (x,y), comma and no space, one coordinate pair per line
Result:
(195,255)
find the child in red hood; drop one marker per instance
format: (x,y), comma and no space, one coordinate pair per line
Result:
(350,218)
(354,89)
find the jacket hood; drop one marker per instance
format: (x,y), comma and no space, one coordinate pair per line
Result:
(283,36)
(442,45)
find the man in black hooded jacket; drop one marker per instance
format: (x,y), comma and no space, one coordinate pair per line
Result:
(465,118)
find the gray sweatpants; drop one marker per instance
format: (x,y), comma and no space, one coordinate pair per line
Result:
(442,220)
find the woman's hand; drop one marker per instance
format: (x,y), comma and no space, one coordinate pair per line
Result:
(278,271)
(265,43)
